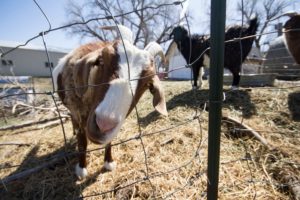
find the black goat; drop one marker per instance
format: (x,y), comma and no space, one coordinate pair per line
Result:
(192,47)
(292,35)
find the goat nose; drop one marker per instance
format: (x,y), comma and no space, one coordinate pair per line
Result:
(106,124)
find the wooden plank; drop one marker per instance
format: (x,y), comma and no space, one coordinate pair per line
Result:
(248,130)
(34,170)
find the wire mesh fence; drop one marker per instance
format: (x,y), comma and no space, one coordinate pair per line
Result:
(158,158)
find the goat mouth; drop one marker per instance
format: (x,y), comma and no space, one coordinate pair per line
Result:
(106,125)
(97,132)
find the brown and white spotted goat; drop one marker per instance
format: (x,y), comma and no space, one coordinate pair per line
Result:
(93,83)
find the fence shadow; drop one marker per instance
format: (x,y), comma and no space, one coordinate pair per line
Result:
(294,105)
(239,100)
(57,181)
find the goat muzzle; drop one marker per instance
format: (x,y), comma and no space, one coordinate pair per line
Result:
(100,129)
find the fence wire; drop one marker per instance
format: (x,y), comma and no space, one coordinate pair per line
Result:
(197,117)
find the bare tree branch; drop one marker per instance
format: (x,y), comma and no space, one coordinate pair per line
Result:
(265,10)
(147,25)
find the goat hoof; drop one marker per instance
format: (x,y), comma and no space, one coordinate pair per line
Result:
(110,166)
(200,86)
(234,87)
(80,172)
(195,87)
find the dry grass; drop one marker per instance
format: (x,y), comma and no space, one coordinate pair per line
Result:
(274,113)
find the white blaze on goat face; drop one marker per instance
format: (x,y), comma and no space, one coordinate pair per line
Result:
(112,111)
(138,60)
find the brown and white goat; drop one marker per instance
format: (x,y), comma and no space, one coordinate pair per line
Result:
(96,84)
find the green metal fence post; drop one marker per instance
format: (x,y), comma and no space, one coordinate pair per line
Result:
(218,14)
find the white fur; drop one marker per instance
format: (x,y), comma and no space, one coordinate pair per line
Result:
(155,49)
(126,33)
(76,131)
(80,172)
(194,87)
(234,87)
(206,60)
(137,59)
(60,66)
(201,72)
(58,69)
(115,105)
(110,165)
(118,98)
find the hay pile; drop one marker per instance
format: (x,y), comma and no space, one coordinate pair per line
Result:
(176,157)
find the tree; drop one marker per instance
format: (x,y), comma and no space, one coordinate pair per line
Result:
(146,24)
(265,11)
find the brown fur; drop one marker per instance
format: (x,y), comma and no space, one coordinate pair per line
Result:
(293,37)
(88,76)
(82,85)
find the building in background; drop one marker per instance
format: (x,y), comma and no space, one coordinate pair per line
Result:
(30,60)
(176,63)
(278,60)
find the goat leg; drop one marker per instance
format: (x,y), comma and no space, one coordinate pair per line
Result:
(109,164)
(200,80)
(80,169)
(236,81)
(236,77)
(196,70)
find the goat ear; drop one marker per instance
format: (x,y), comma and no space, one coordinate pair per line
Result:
(99,60)
(159,102)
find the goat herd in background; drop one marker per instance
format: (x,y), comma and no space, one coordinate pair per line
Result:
(100,83)
(234,55)
(236,50)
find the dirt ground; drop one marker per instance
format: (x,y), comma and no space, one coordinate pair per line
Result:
(162,157)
